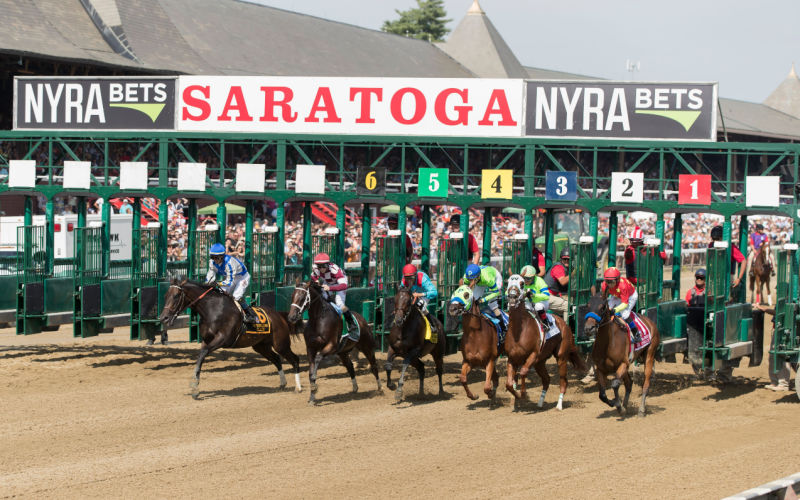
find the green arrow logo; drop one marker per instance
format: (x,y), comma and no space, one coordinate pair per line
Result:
(151,110)
(685,118)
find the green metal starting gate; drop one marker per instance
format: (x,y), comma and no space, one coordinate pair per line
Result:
(88,299)
(31,274)
(786,334)
(146,299)
(198,268)
(515,256)
(325,243)
(450,267)
(583,277)
(649,269)
(263,268)
(387,277)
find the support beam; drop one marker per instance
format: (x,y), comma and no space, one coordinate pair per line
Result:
(50,236)
(401,225)
(366,242)
(612,240)
(307,241)
(340,225)
(425,258)
(222,221)
(486,251)
(677,242)
(248,234)
(280,221)
(549,237)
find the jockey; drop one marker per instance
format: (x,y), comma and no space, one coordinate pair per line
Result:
(490,283)
(622,298)
(235,278)
(334,286)
(537,295)
(636,239)
(756,242)
(422,289)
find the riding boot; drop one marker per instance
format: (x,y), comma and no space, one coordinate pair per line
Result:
(545,320)
(352,325)
(249,313)
(429,317)
(635,337)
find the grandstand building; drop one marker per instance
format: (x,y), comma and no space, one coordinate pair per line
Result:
(233,37)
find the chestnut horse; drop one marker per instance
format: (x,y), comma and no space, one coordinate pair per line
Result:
(610,352)
(478,341)
(760,273)
(525,348)
(221,326)
(323,332)
(407,339)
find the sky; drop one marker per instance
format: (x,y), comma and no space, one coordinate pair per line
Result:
(748,47)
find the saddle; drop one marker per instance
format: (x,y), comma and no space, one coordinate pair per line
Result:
(262,326)
(644,333)
(431,334)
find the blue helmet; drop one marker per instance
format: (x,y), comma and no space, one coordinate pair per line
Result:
(473,271)
(217,249)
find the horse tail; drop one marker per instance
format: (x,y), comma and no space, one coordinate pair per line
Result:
(577,361)
(296,328)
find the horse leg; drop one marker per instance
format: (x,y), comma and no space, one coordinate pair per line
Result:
(622,370)
(542,371)
(398,394)
(348,364)
(627,379)
(523,372)
(465,368)
(601,383)
(205,350)
(511,382)
(266,351)
(285,350)
(649,367)
(438,360)
(390,355)
(313,365)
(492,380)
(420,366)
(563,360)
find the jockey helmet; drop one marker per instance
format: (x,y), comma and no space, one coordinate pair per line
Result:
(716,233)
(473,271)
(636,234)
(528,272)
(701,273)
(409,270)
(322,258)
(612,273)
(565,253)
(217,249)
(759,227)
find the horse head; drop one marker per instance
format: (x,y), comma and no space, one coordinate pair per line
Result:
(301,300)
(514,290)
(403,303)
(598,310)
(460,301)
(173,302)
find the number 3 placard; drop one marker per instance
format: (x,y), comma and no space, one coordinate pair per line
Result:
(433,182)
(627,187)
(497,184)
(694,189)
(561,185)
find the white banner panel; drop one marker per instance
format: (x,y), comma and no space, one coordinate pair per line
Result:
(627,187)
(22,173)
(133,175)
(76,174)
(191,176)
(762,191)
(250,177)
(310,179)
(360,106)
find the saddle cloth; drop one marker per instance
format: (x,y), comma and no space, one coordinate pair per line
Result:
(262,327)
(501,337)
(644,333)
(552,332)
(430,335)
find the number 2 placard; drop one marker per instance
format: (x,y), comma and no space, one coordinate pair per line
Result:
(433,182)
(694,189)
(497,184)
(627,187)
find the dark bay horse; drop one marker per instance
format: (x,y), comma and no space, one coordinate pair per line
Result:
(407,339)
(760,273)
(221,326)
(323,331)
(524,348)
(610,352)
(478,341)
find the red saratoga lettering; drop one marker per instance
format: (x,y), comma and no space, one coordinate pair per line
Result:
(498,99)
(419,105)
(323,102)
(463,111)
(190,101)
(270,102)
(366,94)
(235,102)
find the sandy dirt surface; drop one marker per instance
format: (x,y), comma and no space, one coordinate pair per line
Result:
(107,417)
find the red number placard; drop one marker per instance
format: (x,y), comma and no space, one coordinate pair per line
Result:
(694,189)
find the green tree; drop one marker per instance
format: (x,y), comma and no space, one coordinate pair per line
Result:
(425,22)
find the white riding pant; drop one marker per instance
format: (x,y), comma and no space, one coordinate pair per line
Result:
(614,301)
(239,286)
(338,298)
(538,306)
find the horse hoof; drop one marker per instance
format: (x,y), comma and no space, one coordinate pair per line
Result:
(540,404)
(641,414)
(398,395)
(560,406)
(621,410)
(150,342)
(474,398)
(298,390)
(391,386)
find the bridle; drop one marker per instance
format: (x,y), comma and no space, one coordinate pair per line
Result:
(306,300)
(406,315)
(181,307)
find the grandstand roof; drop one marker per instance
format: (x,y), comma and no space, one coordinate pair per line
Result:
(786,97)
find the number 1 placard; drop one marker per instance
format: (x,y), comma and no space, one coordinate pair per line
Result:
(694,189)
(433,182)
(627,187)
(497,184)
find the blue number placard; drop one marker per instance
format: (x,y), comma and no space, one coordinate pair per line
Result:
(562,186)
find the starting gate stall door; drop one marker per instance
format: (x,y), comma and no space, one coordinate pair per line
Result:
(786,334)
(263,269)
(31,274)
(387,277)
(87,310)
(648,278)
(583,274)
(450,267)
(515,255)
(198,268)
(146,302)
(325,243)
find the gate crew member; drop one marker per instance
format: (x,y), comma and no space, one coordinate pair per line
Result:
(422,289)
(622,298)
(486,283)
(696,296)
(635,239)
(736,258)
(334,286)
(537,295)
(391,221)
(472,243)
(557,280)
(757,241)
(235,279)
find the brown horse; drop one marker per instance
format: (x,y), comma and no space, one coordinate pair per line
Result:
(221,326)
(610,352)
(323,332)
(525,348)
(759,276)
(407,339)
(478,341)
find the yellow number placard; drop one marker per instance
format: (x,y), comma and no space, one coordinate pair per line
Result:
(497,184)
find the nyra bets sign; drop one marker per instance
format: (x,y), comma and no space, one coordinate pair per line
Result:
(615,110)
(368,106)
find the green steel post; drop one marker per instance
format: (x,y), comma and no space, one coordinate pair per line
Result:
(593,230)
(366,241)
(660,236)
(529,231)
(425,258)
(464,228)
(81,211)
(50,235)
(401,225)
(549,237)
(612,240)
(340,222)
(163,234)
(306,241)
(190,247)
(136,225)
(280,166)
(222,222)
(105,215)
(280,248)
(677,234)
(726,236)
(28,210)
(248,235)
(163,162)
(744,236)
(486,251)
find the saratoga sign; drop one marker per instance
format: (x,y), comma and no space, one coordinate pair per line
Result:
(360,106)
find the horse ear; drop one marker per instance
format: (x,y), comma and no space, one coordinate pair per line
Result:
(297,281)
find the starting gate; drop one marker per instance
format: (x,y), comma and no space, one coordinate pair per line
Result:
(387,277)
(87,310)
(263,269)
(146,300)
(325,243)
(198,268)
(31,274)
(786,334)
(648,280)
(583,276)
(450,268)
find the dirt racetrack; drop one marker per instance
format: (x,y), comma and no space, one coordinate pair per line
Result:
(106,417)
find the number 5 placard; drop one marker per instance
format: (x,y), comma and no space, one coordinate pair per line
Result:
(627,187)
(694,189)
(433,182)
(497,184)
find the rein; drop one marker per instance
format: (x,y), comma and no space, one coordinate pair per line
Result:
(183,299)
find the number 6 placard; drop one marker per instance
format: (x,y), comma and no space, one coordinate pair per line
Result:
(433,182)
(627,187)
(497,184)
(371,180)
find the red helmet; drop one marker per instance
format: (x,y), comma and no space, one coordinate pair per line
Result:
(612,273)
(636,234)
(322,258)
(409,270)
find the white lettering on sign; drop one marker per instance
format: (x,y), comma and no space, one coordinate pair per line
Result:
(416,106)
(75,110)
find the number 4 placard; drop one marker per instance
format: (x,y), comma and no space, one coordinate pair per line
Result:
(433,182)
(497,184)
(627,187)
(694,189)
